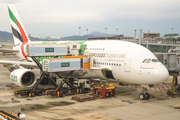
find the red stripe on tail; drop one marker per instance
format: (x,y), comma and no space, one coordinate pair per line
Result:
(24,37)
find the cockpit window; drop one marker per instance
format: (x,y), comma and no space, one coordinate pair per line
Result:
(145,61)
(155,60)
(149,60)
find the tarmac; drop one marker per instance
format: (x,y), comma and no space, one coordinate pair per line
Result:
(125,105)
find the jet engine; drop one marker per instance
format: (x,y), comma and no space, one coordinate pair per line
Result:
(23,77)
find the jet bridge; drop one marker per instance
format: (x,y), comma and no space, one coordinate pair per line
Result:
(172,62)
(65,57)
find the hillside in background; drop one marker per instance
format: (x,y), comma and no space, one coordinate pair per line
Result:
(6,37)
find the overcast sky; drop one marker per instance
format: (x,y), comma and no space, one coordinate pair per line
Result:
(57,18)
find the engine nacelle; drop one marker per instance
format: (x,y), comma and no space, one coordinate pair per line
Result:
(23,77)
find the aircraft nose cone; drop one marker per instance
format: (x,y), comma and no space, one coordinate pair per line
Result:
(161,74)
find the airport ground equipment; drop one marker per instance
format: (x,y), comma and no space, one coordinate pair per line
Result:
(8,116)
(56,64)
(86,97)
(172,62)
(104,89)
(63,49)
(99,91)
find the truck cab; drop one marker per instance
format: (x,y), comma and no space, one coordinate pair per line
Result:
(84,85)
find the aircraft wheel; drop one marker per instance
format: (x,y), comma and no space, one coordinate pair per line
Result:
(147,96)
(142,96)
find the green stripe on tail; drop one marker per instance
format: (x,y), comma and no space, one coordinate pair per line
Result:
(13,18)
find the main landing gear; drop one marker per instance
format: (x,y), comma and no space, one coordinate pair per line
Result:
(144,95)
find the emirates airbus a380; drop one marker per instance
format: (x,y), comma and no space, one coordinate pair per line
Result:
(120,61)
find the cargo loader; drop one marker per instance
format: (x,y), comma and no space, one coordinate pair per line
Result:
(59,58)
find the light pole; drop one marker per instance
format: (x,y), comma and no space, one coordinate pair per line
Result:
(117,31)
(79,31)
(172,34)
(134,35)
(105,31)
(87,31)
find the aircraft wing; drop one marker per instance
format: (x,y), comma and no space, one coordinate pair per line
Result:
(7,50)
(29,65)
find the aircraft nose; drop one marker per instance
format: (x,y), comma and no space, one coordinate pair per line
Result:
(161,74)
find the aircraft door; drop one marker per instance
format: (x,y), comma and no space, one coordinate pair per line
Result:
(127,65)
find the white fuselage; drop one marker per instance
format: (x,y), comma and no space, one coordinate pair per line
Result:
(125,61)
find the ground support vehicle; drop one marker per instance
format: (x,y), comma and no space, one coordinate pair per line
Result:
(86,97)
(98,92)
(8,116)
(28,93)
(83,87)
(104,90)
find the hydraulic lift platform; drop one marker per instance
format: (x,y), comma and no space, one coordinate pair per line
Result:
(67,63)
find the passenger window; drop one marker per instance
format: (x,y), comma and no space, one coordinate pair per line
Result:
(149,60)
(145,61)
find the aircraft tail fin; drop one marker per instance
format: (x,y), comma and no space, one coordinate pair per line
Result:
(19,33)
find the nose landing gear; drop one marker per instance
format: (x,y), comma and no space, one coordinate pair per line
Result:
(144,95)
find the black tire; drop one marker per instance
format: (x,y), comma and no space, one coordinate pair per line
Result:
(63,94)
(33,94)
(81,90)
(85,91)
(147,96)
(107,94)
(142,96)
(39,93)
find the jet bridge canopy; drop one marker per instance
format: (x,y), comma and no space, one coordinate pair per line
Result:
(171,61)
